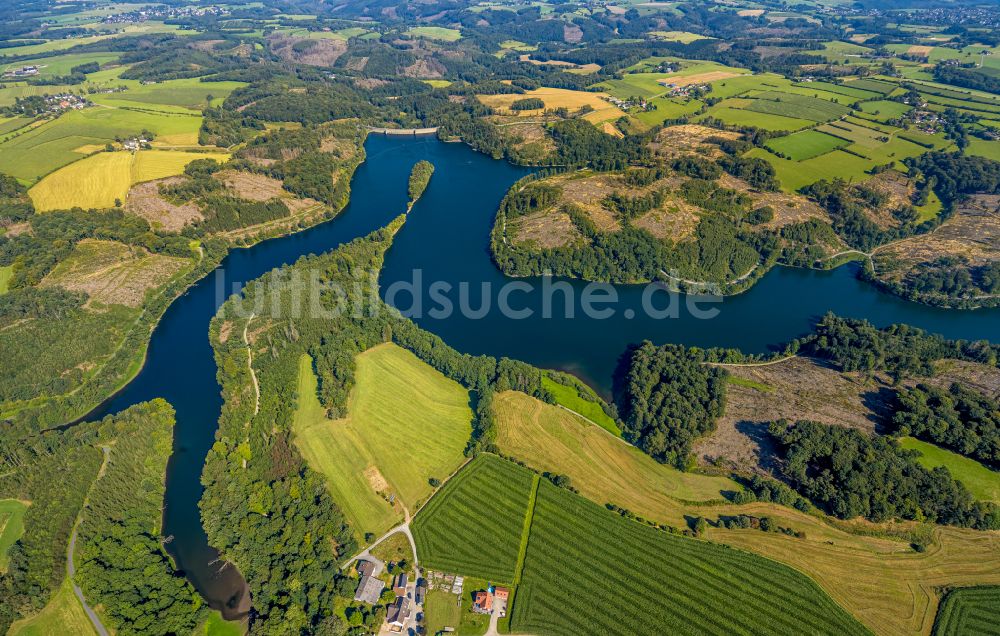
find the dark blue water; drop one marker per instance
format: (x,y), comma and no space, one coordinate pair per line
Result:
(446,238)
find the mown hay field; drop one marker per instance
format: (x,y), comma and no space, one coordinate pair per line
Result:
(97,181)
(557,98)
(436,33)
(767,121)
(971,610)
(982,482)
(589,570)
(62,615)
(475,524)
(603,468)
(406,423)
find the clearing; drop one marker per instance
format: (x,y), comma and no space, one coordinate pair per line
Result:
(62,615)
(406,423)
(982,482)
(113,273)
(11,527)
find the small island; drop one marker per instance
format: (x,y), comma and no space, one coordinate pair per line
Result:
(420,176)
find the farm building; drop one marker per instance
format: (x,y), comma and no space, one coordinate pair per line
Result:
(398,614)
(419,592)
(483,602)
(369,588)
(501,593)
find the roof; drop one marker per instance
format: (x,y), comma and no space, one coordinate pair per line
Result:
(400,580)
(366,568)
(398,611)
(484,600)
(501,592)
(369,590)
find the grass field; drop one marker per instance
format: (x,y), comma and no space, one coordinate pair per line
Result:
(796,106)
(982,482)
(795,175)
(436,33)
(805,144)
(884,110)
(406,423)
(604,469)
(62,615)
(766,121)
(573,399)
(95,182)
(970,610)
(589,570)
(61,64)
(984,148)
(215,625)
(684,37)
(11,527)
(474,525)
(6,272)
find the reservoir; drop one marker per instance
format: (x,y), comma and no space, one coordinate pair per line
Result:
(446,238)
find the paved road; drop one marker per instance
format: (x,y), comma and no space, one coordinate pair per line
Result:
(71,566)
(405,529)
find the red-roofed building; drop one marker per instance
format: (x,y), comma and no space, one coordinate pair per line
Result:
(483,602)
(501,593)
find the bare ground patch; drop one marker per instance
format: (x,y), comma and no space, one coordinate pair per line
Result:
(144,200)
(674,141)
(113,273)
(795,389)
(675,221)
(312,52)
(545,229)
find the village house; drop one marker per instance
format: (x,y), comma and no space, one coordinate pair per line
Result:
(398,614)
(482,602)
(399,584)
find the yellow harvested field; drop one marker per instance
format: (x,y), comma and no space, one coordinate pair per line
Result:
(879,579)
(920,51)
(750,13)
(96,181)
(699,78)
(557,98)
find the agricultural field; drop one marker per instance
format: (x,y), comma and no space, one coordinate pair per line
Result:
(884,110)
(795,106)
(983,148)
(62,615)
(57,142)
(61,64)
(969,610)
(475,524)
(603,468)
(104,178)
(582,400)
(436,33)
(406,423)
(982,482)
(766,121)
(556,98)
(574,581)
(11,527)
(795,175)
(113,273)
(805,144)
(684,37)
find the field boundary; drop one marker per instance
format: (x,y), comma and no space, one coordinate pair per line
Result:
(526,529)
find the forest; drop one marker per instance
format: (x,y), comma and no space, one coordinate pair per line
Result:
(958,418)
(848,474)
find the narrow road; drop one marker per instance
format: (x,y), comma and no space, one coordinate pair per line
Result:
(405,529)
(253,374)
(71,566)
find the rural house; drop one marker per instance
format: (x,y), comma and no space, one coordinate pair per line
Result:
(483,602)
(399,584)
(398,614)
(369,588)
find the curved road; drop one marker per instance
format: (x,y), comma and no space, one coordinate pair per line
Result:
(71,566)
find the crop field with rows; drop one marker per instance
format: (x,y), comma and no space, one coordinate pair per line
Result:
(588,570)
(473,526)
(970,610)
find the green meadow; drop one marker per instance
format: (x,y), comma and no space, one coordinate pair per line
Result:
(805,144)
(436,33)
(583,401)
(982,482)
(11,527)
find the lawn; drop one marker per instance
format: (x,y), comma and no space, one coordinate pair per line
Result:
(396,548)
(969,610)
(62,615)
(805,144)
(766,121)
(406,423)
(475,524)
(983,483)
(581,398)
(589,570)
(436,33)
(101,179)
(604,469)
(11,527)
(444,609)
